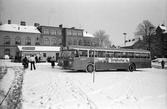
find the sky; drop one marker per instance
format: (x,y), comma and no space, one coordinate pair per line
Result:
(115,17)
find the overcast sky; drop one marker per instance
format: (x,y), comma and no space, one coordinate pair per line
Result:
(113,16)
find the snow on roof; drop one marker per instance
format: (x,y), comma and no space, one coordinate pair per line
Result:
(162,27)
(38,48)
(85,34)
(19,28)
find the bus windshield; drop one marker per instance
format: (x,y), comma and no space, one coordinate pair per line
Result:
(70,53)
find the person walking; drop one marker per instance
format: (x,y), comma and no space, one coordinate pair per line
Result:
(25,62)
(162,63)
(52,60)
(32,61)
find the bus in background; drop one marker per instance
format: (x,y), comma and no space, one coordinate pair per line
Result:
(89,58)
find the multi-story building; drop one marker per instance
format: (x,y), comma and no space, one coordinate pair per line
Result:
(43,41)
(161,32)
(13,35)
(72,36)
(161,39)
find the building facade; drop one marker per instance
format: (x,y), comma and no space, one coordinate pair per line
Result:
(21,40)
(13,35)
(161,32)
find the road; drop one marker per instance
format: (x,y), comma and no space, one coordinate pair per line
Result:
(54,88)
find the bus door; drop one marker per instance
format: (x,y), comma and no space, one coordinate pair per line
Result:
(83,57)
(76,60)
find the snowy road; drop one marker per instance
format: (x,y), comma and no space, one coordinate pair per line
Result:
(47,88)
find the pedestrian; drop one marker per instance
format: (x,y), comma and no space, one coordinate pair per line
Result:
(52,60)
(32,61)
(162,63)
(36,59)
(25,62)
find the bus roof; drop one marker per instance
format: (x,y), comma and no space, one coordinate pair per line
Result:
(104,49)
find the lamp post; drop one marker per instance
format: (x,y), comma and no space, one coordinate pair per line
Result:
(125,38)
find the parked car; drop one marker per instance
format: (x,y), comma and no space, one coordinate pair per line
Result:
(158,60)
(6,56)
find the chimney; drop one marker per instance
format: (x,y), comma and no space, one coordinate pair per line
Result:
(60,26)
(9,21)
(36,24)
(23,23)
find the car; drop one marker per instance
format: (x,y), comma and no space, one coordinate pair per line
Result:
(6,56)
(158,60)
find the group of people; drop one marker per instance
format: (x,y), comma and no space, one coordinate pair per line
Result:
(33,60)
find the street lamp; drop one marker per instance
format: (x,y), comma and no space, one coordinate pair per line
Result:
(125,38)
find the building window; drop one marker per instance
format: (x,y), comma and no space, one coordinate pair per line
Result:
(46,31)
(84,42)
(79,33)
(6,40)
(69,32)
(80,42)
(7,52)
(44,54)
(53,41)
(74,42)
(74,32)
(46,41)
(18,40)
(60,42)
(88,43)
(59,32)
(37,41)
(53,32)
(28,41)
(69,42)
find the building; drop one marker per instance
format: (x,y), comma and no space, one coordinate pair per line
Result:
(161,32)
(161,43)
(42,41)
(13,35)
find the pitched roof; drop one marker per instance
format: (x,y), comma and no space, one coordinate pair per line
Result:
(18,28)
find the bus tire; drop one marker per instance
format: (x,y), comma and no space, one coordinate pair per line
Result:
(131,68)
(90,68)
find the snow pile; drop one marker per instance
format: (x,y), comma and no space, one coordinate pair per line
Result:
(6,83)
(11,87)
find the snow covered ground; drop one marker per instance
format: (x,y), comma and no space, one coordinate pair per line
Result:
(48,88)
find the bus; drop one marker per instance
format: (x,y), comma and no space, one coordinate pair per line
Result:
(89,58)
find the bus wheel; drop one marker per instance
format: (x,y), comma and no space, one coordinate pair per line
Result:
(131,68)
(90,68)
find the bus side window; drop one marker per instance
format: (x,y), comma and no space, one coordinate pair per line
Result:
(83,53)
(144,55)
(118,54)
(137,55)
(91,53)
(130,55)
(124,55)
(101,53)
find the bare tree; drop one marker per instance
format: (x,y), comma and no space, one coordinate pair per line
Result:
(146,31)
(102,39)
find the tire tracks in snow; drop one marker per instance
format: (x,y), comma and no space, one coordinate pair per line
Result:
(78,95)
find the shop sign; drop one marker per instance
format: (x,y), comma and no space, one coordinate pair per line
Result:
(28,48)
